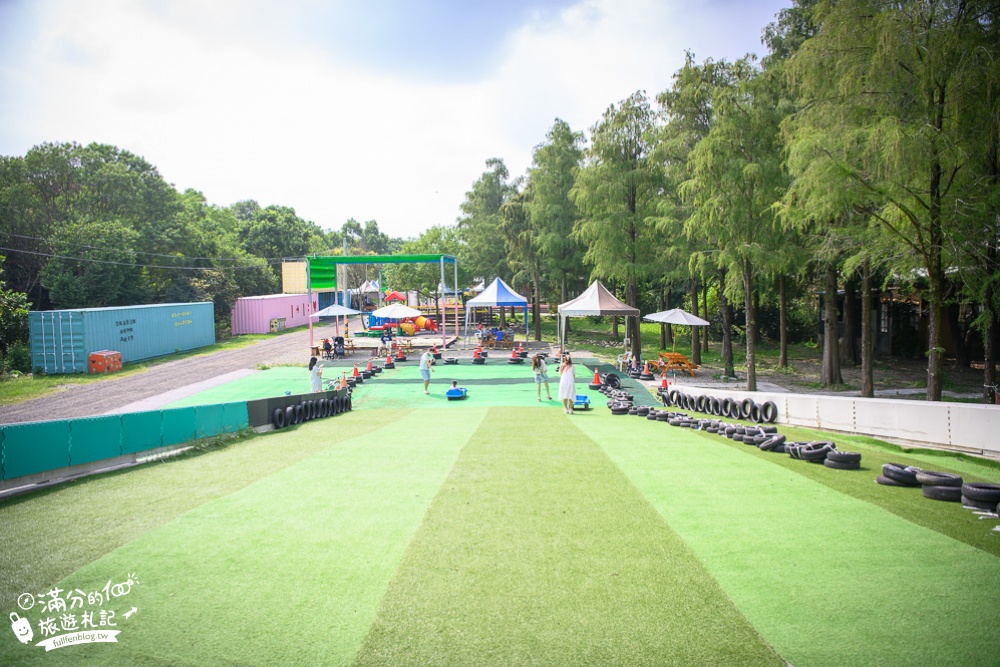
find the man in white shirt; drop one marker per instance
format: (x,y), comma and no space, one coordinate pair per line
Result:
(426,362)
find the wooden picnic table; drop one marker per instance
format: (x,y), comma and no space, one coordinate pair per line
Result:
(677,361)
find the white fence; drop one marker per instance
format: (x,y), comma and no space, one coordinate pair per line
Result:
(959,427)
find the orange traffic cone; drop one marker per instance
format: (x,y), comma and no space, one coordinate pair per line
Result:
(434,349)
(343,381)
(663,382)
(369,365)
(645,369)
(520,350)
(513,353)
(475,353)
(388,359)
(399,354)
(355,370)
(597,377)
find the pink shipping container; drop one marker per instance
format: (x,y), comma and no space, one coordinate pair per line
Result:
(253,314)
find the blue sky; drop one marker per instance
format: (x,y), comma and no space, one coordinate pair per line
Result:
(382,109)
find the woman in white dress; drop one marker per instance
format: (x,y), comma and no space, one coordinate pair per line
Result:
(315,376)
(567,383)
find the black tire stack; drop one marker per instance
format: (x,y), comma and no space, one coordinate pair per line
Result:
(765,413)
(310,410)
(981,496)
(896,474)
(940,485)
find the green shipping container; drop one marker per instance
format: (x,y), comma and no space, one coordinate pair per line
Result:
(62,340)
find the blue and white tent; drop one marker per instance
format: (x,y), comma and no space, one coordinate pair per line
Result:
(497,294)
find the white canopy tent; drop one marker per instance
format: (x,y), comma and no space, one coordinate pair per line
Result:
(596,300)
(497,295)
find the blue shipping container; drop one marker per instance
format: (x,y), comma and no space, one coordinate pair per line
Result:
(62,340)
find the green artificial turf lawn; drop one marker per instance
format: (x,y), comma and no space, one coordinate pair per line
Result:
(48,534)
(538,551)
(542,538)
(289,569)
(827,578)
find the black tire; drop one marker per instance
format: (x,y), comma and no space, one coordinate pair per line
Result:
(290,415)
(745,407)
(663,416)
(889,481)
(724,407)
(755,414)
(674,396)
(310,410)
(619,411)
(300,413)
(951,494)
(612,380)
(844,457)
(906,476)
(321,408)
(758,439)
(929,478)
(350,404)
(769,411)
(982,492)
(716,407)
(278,419)
(772,443)
(814,454)
(977,504)
(841,465)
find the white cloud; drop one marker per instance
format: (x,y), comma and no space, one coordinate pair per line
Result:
(234,102)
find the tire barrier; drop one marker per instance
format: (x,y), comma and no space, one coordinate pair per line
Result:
(980,497)
(309,410)
(896,474)
(747,410)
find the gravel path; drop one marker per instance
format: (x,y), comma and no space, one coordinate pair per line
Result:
(84,400)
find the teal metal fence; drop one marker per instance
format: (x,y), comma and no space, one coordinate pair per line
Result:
(37,447)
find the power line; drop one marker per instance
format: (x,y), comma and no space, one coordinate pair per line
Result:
(140,252)
(140,266)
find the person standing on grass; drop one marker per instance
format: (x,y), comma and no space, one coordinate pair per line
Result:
(426,365)
(541,375)
(315,376)
(567,383)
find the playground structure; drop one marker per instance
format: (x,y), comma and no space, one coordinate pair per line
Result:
(321,273)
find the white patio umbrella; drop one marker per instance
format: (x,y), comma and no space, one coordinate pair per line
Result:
(396,311)
(676,316)
(336,310)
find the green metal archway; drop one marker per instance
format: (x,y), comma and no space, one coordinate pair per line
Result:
(321,273)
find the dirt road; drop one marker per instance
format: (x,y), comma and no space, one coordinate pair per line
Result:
(98,398)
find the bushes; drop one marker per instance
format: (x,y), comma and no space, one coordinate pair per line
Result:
(18,358)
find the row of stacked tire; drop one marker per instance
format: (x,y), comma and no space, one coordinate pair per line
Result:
(746,409)
(943,486)
(309,410)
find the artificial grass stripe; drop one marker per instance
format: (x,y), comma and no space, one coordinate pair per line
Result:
(288,570)
(828,579)
(909,503)
(52,532)
(538,551)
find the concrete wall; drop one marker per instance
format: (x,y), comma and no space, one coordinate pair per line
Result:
(960,427)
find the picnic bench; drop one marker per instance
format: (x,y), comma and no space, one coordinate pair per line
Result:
(675,361)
